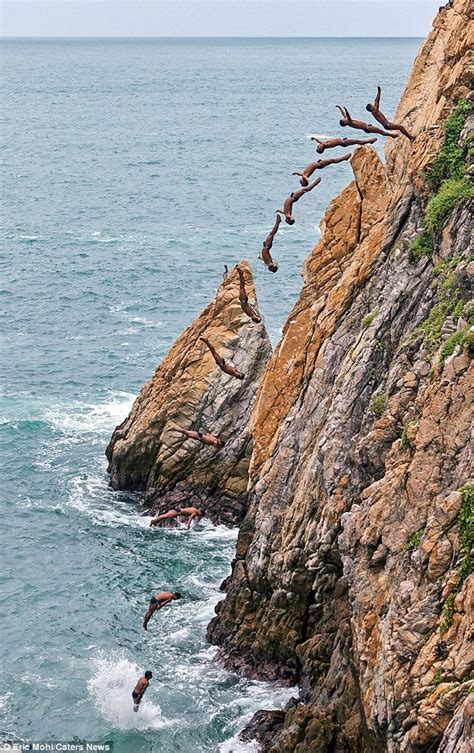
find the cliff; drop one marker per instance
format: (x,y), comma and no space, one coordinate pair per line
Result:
(190,390)
(352,573)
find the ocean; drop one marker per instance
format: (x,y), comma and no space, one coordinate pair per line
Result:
(132,171)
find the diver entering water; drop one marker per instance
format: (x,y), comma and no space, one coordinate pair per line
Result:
(158,601)
(227,368)
(139,689)
(190,512)
(378,115)
(292,199)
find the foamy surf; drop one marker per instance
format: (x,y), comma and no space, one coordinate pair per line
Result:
(111,688)
(121,312)
(259,695)
(234,745)
(83,417)
(90,494)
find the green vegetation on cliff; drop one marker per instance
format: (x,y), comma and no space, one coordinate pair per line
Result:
(451,193)
(370,318)
(422,246)
(450,303)
(447,174)
(414,541)
(450,162)
(377,404)
(457,338)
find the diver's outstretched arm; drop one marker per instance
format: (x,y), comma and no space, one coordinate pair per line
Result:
(377,98)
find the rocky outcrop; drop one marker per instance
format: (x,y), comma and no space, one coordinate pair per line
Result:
(441,73)
(352,567)
(190,390)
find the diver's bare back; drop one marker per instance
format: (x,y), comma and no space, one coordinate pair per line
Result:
(374,109)
(293,198)
(340,141)
(361,125)
(227,368)
(244,300)
(267,245)
(320,164)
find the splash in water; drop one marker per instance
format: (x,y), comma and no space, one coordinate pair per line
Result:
(111,687)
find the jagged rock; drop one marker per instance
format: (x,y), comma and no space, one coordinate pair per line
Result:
(262,727)
(351,545)
(441,75)
(190,390)
(459,733)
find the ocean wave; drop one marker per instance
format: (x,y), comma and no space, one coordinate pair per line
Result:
(83,417)
(89,493)
(235,745)
(258,695)
(120,310)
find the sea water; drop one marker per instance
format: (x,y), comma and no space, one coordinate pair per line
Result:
(133,170)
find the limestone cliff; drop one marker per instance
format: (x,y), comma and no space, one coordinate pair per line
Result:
(190,390)
(352,573)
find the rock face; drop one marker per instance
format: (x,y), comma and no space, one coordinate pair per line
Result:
(190,390)
(352,567)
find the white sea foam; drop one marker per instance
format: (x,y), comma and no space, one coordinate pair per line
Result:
(121,312)
(91,495)
(111,685)
(258,695)
(79,418)
(234,745)
(5,698)
(7,724)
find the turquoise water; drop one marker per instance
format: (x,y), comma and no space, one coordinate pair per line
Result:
(132,171)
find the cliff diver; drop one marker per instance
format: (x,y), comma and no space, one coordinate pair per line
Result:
(139,689)
(200,436)
(244,300)
(361,125)
(227,368)
(158,601)
(292,199)
(190,512)
(265,254)
(226,272)
(339,141)
(319,165)
(380,117)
